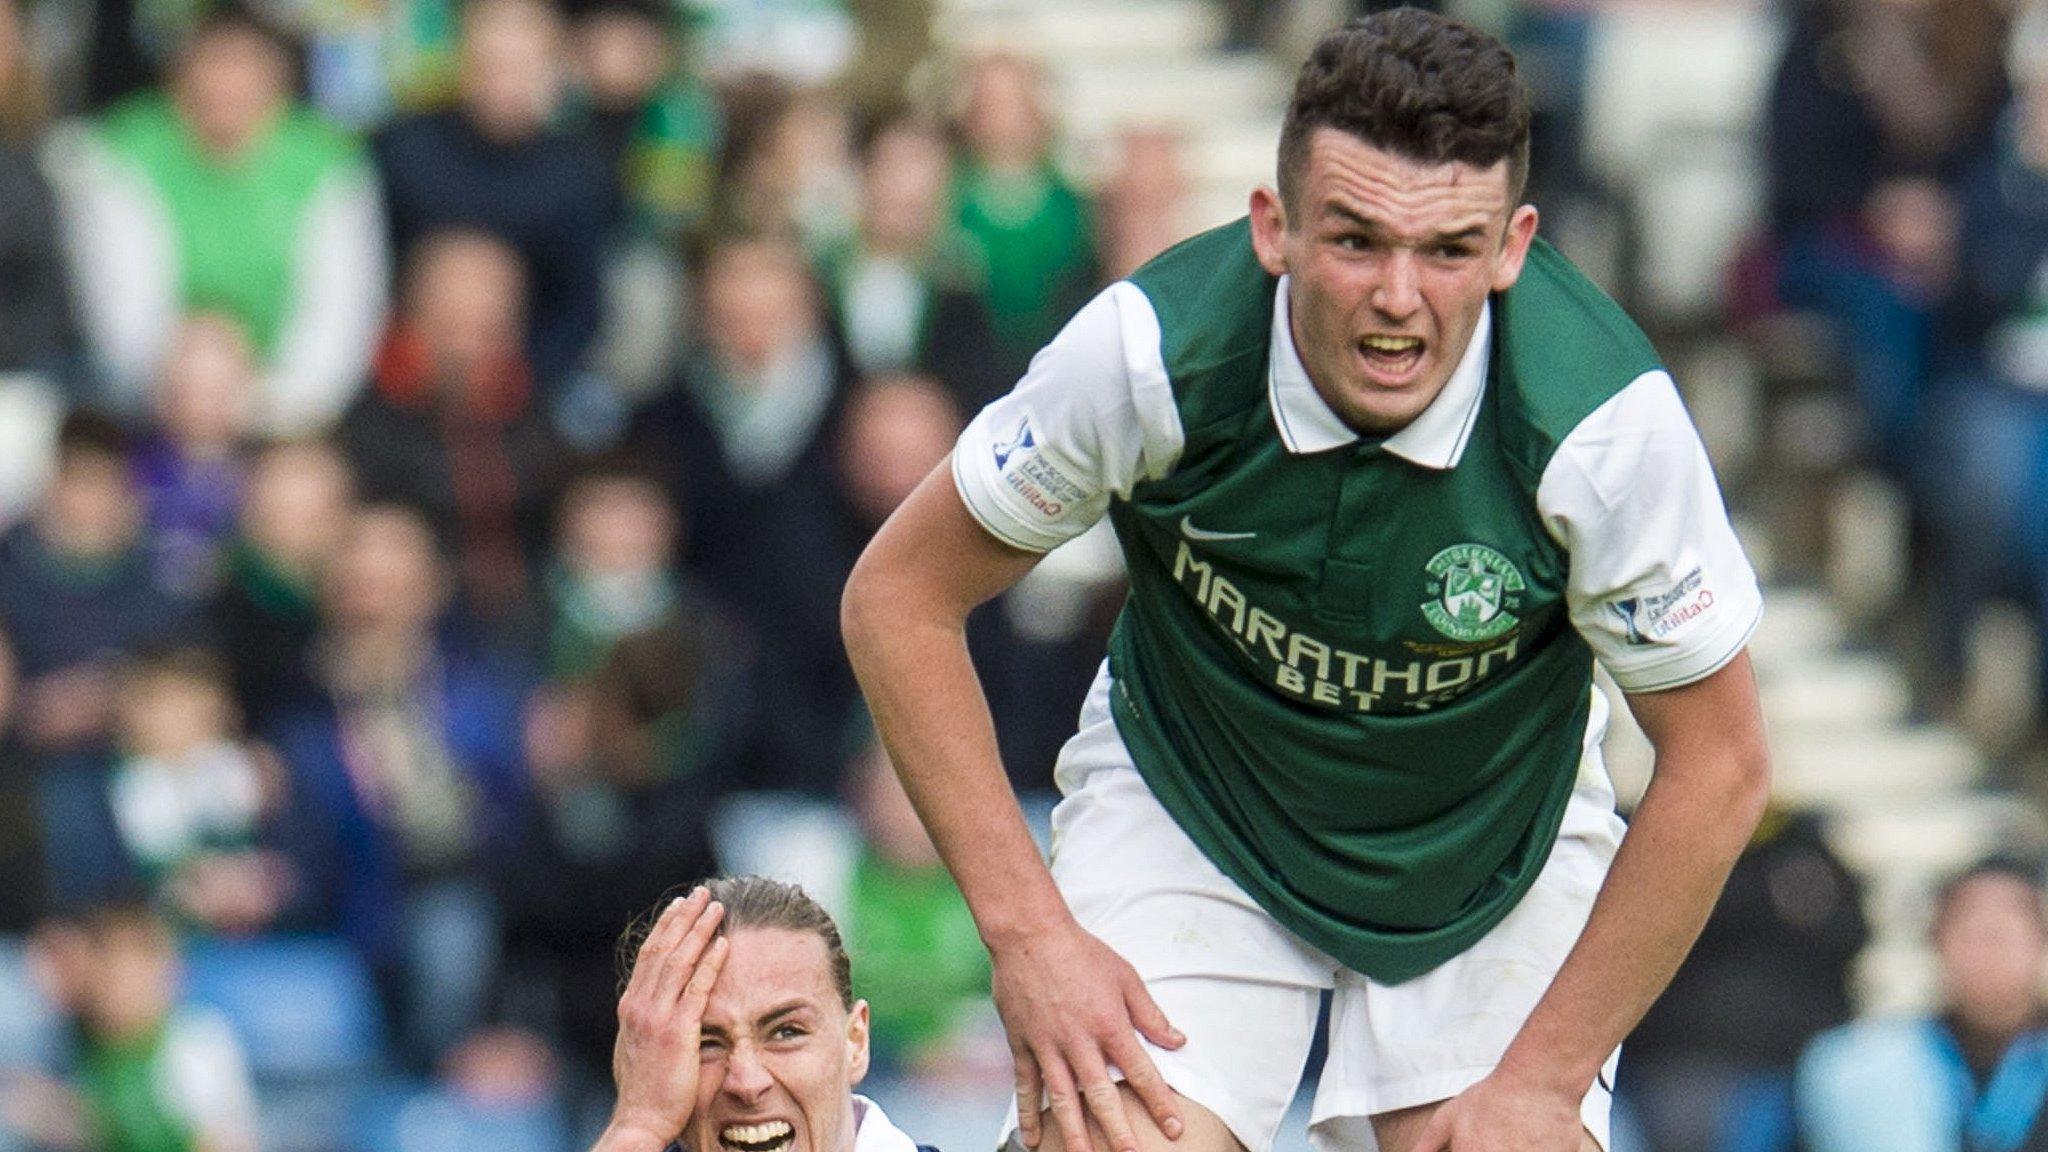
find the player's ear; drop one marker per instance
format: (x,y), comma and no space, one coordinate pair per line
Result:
(857,1043)
(1515,247)
(1269,230)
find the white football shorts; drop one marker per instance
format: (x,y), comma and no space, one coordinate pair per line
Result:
(1245,991)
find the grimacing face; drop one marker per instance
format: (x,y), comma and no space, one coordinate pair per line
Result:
(780,1054)
(1391,261)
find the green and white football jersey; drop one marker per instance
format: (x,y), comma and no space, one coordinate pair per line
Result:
(1357,671)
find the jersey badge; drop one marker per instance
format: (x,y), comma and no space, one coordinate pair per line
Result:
(1474,591)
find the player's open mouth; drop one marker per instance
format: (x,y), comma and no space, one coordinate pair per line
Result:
(767,1136)
(1391,357)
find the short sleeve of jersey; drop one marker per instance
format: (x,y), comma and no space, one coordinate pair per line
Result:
(1093,415)
(1659,585)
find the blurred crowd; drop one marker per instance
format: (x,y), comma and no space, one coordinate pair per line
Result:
(1906,149)
(434,434)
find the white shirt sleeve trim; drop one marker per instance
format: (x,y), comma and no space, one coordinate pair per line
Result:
(1712,657)
(995,523)
(1659,586)
(1093,416)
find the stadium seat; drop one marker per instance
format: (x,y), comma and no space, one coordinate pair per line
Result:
(420,1118)
(1673,96)
(1853,769)
(799,839)
(1112,34)
(31,1035)
(311,1027)
(1839,691)
(305,1008)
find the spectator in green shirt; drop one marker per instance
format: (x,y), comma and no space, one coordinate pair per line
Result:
(921,958)
(152,1075)
(1035,228)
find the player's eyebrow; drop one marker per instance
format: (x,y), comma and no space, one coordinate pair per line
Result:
(1348,216)
(770,1017)
(1375,228)
(1469,235)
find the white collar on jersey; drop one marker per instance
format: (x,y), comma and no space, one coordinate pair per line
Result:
(873,1131)
(1435,440)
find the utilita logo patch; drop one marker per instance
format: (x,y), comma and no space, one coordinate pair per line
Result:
(1649,619)
(1026,472)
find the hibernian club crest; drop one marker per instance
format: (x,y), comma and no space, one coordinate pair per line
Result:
(1474,591)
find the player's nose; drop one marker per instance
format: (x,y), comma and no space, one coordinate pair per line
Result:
(746,1076)
(1397,294)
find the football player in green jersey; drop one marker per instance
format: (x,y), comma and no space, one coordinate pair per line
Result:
(1390,477)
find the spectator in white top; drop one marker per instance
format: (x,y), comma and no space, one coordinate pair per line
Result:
(221,193)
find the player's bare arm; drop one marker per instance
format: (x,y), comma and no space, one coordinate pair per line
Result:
(1072,1007)
(1711,782)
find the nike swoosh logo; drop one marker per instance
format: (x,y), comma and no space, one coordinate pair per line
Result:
(1188,529)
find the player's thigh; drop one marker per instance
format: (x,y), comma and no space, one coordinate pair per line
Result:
(1246,1044)
(1398,1047)
(1243,990)
(1201,1130)
(1399,1131)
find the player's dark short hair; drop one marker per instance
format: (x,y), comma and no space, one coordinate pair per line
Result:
(1412,83)
(754,902)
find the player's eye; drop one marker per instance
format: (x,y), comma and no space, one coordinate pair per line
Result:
(788,1032)
(1353,242)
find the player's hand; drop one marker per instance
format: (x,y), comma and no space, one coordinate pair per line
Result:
(661,1018)
(1073,1009)
(1502,1114)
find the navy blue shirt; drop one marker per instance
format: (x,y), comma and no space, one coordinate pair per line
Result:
(549,197)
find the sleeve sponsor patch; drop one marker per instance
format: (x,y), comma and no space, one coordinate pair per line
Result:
(1652,619)
(1037,480)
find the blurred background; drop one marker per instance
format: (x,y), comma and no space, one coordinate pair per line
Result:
(434,433)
